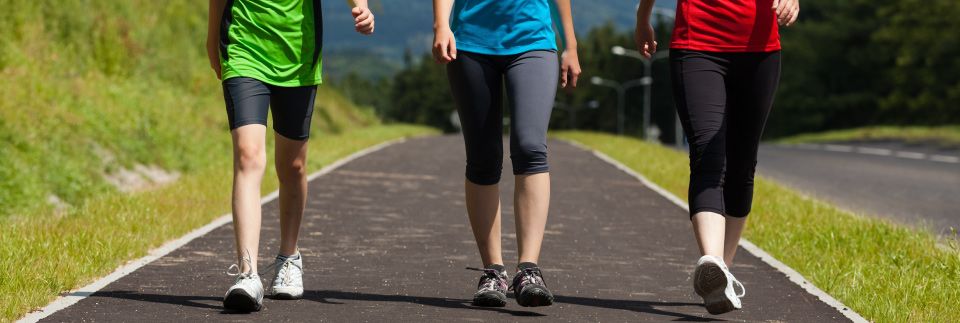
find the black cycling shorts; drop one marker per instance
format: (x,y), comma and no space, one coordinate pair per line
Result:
(248,100)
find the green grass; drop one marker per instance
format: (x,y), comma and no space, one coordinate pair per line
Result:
(885,272)
(949,135)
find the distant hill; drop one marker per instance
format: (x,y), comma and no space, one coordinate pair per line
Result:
(408,24)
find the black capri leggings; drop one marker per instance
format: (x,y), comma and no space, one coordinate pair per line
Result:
(723,100)
(477,83)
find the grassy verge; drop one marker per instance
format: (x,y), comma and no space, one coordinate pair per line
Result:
(949,135)
(885,272)
(42,256)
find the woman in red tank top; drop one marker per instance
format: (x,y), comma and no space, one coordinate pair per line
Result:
(725,68)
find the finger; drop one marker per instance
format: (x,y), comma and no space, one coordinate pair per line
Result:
(783,10)
(646,50)
(446,52)
(654,47)
(364,24)
(453,50)
(362,16)
(793,17)
(563,76)
(356,11)
(776,4)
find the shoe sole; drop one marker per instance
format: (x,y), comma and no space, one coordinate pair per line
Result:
(490,299)
(710,283)
(288,293)
(239,300)
(535,297)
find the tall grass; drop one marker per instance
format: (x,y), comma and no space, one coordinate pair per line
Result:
(93,86)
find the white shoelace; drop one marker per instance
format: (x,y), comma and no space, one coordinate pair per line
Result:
(283,270)
(743,291)
(238,271)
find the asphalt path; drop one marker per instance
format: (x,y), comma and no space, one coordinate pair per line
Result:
(386,238)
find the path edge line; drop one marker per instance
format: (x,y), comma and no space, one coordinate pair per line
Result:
(792,275)
(72,297)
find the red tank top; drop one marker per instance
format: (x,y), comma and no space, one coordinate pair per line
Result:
(726,26)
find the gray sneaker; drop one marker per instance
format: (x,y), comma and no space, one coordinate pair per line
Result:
(246,294)
(492,288)
(288,277)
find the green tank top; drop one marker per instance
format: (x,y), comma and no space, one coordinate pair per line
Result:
(278,42)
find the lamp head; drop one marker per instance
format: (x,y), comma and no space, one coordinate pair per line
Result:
(618,50)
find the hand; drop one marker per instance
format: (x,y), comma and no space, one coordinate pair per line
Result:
(363,20)
(444,45)
(569,69)
(787,11)
(645,39)
(213,55)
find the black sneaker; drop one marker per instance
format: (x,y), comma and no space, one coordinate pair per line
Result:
(492,288)
(529,288)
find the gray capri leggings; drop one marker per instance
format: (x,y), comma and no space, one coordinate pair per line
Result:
(477,82)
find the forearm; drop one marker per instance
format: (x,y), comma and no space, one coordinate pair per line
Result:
(644,10)
(441,13)
(566,22)
(213,21)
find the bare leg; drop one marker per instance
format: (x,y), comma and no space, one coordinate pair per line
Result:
(483,208)
(734,229)
(709,229)
(291,156)
(531,205)
(249,162)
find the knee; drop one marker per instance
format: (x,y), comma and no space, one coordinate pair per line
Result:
(741,173)
(484,161)
(484,171)
(250,158)
(292,171)
(708,169)
(529,157)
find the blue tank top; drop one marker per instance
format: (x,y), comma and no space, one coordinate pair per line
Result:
(503,27)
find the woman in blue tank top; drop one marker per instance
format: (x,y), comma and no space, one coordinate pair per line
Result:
(489,45)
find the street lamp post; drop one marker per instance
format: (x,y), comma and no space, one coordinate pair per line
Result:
(621,96)
(647,79)
(648,74)
(572,110)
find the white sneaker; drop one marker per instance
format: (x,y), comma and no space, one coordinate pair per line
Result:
(246,294)
(288,277)
(714,282)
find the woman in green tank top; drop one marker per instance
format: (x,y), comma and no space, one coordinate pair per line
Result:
(268,54)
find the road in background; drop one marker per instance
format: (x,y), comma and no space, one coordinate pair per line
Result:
(913,184)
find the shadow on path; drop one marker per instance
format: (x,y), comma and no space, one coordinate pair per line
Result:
(179,300)
(636,306)
(326,296)
(330,297)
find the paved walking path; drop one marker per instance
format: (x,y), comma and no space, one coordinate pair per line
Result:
(386,238)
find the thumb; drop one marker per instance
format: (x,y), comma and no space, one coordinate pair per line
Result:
(356,11)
